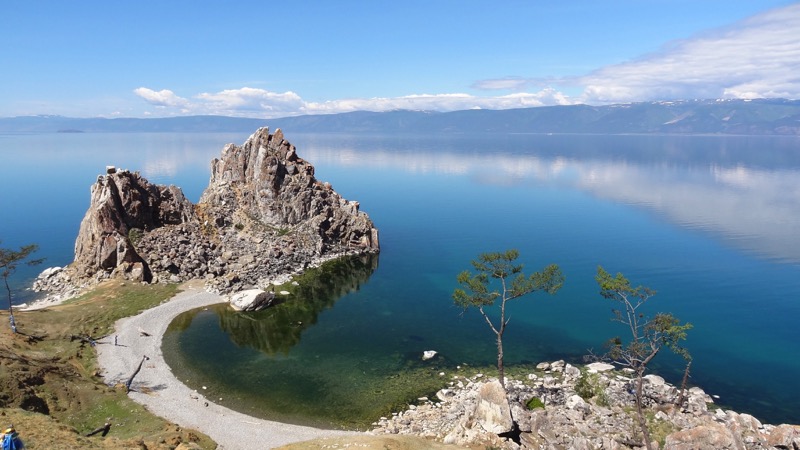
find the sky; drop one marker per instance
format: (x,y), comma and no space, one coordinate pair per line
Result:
(268,59)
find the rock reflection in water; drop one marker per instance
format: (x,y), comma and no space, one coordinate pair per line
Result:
(277,329)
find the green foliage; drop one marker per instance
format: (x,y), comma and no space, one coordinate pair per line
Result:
(135,235)
(648,335)
(9,260)
(659,429)
(534,403)
(477,290)
(588,387)
(239,226)
(585,387)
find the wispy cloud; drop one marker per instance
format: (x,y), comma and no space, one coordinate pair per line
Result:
(756,58)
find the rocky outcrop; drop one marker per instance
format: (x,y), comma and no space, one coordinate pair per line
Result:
(263,216)
(123,207)
(263,183)
(583,409)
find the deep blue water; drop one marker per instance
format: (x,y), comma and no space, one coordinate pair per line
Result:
(711,223)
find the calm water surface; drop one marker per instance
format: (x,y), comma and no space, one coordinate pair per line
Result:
(711,223)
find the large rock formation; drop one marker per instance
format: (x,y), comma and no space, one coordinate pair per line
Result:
(262,216)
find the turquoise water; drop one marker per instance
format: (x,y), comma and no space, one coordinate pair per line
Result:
(711,223)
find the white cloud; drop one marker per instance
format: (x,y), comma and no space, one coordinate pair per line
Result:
(252,102)
(162,98)
(439,102)
(758,57)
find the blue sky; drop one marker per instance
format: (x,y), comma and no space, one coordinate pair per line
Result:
(270,59)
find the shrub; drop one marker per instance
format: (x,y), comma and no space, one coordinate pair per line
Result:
(135,235)
(588,387)
(534,403)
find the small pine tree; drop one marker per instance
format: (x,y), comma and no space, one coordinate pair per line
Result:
(498,277)
(9,260)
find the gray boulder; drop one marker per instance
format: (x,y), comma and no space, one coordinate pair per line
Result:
(492,411)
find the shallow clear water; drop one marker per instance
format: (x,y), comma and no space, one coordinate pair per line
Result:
(711,223)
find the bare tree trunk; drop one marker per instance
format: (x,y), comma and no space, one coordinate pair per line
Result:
(500,369)
(135,372)
(104,429)
(11,320)
(682,397)
(640,411)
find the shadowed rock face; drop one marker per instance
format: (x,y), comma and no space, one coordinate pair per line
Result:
(121,202)
(263,215)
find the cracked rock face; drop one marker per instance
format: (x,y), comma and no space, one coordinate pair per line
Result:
(124,205)
(262,216)
(264,183)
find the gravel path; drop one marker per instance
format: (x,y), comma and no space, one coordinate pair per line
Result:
(169,398)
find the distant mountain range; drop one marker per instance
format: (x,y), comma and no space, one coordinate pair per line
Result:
(744,117)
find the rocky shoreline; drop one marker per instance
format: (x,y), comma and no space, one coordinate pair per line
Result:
(562,406)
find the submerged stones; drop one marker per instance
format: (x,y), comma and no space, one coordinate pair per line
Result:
(262,217)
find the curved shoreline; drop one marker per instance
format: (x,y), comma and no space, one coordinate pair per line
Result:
(161,393)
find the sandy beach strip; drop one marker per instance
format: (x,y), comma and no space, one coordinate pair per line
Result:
(167,397)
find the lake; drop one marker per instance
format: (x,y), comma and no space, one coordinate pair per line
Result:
(711,223)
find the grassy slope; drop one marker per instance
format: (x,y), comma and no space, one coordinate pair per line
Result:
(44,370)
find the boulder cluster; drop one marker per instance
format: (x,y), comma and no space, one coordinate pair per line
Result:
(563,407)
(263,217)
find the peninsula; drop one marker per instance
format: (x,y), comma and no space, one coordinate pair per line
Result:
(262,217)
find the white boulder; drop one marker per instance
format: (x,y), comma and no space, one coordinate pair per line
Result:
(251,300)
(596,367)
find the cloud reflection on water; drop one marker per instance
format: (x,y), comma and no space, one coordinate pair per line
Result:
(754,209)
